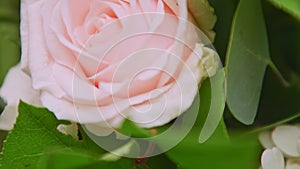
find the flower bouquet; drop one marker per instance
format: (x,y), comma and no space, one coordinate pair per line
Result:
(149,84)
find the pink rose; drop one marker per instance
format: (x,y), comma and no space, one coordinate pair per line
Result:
(98,62)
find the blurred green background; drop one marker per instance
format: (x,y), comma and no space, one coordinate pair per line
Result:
(9,35)
(9,40)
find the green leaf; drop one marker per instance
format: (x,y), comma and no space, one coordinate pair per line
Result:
(67,160)
(247,59)
(216,106)
(10,35)
(217,152)
(160,161)
(290,6)
(35,135)
(129,128)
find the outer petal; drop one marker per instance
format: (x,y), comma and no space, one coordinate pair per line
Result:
(16,86)
(285,138)
(24,37)
(272,159)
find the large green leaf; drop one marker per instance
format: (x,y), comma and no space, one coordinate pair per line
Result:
(247,59)
(35,135)
(161,161)
(129,128)
(217,152)
(290,6)
(9,35)
(67,160)
(215,109)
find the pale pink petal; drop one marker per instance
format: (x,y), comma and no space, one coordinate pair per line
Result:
(272,159)
(40,63)
(24,38)
(170,104)
(66,110)
(73,14)
(173,5)
(8,117)
(13,92)
(285,138)
(77,89)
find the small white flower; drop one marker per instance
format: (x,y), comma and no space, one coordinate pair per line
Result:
(285,138)
(282,144)
(272,159)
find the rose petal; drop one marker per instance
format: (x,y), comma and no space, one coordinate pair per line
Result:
(285,138)
(65,110)
(38,57)
(172,103)
(8,117)
(172,5)
(272,159)
(24,32)
(265,139)
(12,92)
